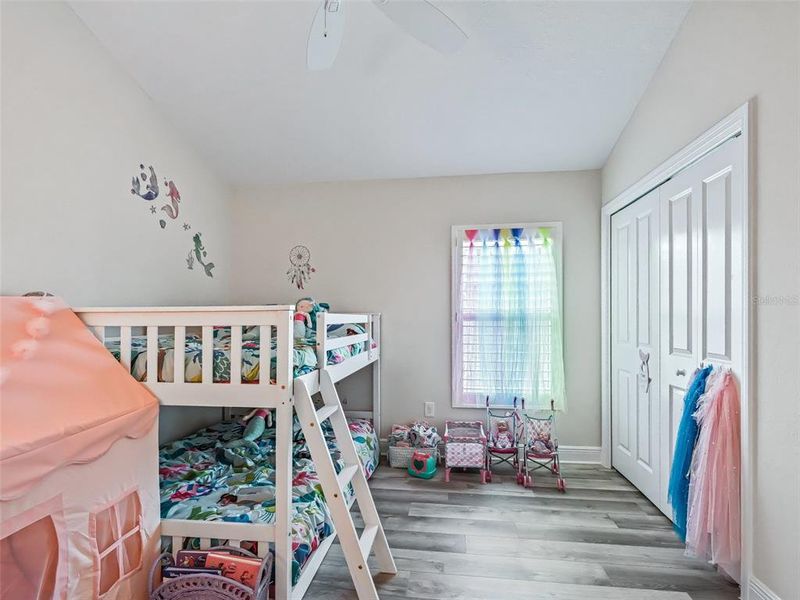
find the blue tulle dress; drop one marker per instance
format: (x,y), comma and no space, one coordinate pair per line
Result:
(684,448)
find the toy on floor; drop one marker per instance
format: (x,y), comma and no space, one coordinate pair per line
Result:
(400,436)
(464,446)
(505,435)
(422,464)
(405,439)
(540,448)
(423,435)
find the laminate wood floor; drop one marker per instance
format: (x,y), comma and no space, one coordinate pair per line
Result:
(602,540)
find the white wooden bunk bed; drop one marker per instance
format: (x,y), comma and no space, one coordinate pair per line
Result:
(286,395)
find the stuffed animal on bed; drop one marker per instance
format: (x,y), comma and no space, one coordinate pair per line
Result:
(257,421)
(302,318)
(305,317)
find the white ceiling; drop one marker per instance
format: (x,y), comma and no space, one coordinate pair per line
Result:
(539,86)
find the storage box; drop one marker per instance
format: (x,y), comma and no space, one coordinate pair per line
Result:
(400,456)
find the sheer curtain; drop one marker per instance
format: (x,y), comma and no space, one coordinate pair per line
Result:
(509,334)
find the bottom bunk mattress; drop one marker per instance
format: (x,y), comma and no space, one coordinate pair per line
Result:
(197,485)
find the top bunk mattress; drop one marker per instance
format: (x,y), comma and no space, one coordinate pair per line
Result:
(52,371)
(304,354)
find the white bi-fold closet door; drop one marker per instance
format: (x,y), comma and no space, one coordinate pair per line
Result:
(677,283)
(635,261)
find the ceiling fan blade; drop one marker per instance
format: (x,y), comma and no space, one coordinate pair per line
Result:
(325,35)
(423,21)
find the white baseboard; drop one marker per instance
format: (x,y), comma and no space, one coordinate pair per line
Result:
(580,454)
(759,591)
(569,454)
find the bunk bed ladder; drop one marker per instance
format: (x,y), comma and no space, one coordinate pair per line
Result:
(356,550)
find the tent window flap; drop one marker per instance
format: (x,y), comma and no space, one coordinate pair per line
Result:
(118,537)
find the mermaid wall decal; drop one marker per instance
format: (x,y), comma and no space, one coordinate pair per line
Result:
(175,197)
(200,254)
(151,189)
(145,185)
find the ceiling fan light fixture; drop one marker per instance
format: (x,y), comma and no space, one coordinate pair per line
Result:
(418,18)
(325,35)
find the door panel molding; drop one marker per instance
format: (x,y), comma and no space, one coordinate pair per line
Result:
(717,275)
(643,292)
(679,289)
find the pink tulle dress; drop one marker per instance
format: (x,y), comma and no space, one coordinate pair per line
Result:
(714,522)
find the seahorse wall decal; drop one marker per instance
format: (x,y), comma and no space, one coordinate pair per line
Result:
(200,254)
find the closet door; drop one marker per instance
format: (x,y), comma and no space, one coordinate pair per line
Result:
(634,344)
(702,269)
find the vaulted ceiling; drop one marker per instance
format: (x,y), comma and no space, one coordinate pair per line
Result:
(539,86)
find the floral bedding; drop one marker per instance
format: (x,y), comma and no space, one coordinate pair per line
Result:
(304,354)
(195,485)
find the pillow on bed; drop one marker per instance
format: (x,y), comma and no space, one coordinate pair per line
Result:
(344,330)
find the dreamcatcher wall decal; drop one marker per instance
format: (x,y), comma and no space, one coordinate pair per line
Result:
(300,268)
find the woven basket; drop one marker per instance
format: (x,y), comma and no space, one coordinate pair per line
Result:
(400,456)
(204,586)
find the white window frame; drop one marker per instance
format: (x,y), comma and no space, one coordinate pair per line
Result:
(456,235)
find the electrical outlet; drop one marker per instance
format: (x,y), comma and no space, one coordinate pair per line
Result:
(429,409)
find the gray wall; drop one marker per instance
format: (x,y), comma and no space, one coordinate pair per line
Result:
(75,128)
(385,246)
(725,54)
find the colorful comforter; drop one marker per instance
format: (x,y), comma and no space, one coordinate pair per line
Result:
(304,354)
(195,485)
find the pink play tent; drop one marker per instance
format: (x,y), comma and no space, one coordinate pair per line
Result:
(78,461)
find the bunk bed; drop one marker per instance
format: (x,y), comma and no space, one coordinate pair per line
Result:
(217,357)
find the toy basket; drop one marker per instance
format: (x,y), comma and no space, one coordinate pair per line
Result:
(400,456)
(205,586)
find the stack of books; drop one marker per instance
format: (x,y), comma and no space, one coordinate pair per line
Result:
(215,562)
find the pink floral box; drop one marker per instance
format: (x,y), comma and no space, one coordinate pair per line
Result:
(465,444)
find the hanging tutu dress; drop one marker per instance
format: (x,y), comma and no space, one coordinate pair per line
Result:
(678,493)
(714,503)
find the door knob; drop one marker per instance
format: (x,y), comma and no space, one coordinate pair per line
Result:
(680,372)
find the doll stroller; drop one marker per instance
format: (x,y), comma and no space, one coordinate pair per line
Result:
(540,448)
(504,436)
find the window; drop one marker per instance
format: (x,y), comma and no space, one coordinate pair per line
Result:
(507,333)
(117,534)
(29,559)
